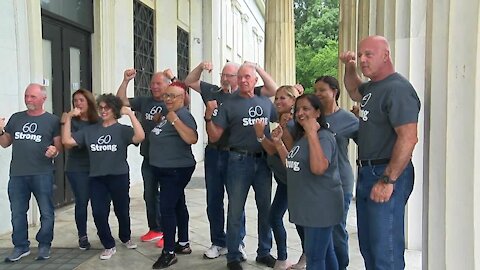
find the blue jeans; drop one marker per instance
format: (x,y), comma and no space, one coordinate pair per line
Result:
(20,189)
(319,248)
(104,189)
(245,171)
(80,183)
(340,235)
(381,225)
(277,211)
(172,205)
(216,164)
(151,197)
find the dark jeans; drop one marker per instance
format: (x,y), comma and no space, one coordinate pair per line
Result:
(151,197)
(216,167)
(340,235)
(103,190)
(319,249)
(172,203)
(381,225)
(277,211)
(80,183)
(20,189)
(245,171)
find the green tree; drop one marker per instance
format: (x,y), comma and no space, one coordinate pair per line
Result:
(316,37)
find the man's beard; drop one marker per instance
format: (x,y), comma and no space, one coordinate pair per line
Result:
(31,107)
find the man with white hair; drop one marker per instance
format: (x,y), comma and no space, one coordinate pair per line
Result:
(34,135)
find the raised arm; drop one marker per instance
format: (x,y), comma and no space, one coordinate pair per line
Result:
(188,134)
(128,75)
(318,162)
(193,78)
(214,131)
(269,87)
(138,132)
(67,139)
(266,143)
(5,138)
(351,79)
(279,146)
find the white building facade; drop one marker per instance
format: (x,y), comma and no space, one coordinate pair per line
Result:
(90,44)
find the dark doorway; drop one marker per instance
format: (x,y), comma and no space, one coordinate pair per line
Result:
(67,67)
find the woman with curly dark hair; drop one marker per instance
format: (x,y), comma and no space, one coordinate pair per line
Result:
(107,143)
(77,164)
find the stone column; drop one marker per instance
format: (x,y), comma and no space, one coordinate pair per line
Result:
(280,41)
(453,133)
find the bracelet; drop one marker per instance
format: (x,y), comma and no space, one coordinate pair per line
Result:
(173,122)
(261,138)
(62,123)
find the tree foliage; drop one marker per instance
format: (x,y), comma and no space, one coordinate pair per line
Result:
(316,37)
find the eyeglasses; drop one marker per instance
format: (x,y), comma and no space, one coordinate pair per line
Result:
(104,108)
(227,75)
(170,96)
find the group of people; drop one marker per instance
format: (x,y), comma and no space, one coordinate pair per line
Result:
(307,152)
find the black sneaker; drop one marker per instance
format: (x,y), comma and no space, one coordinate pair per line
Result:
(268,260)
(165,260)
(179,249)
(83,243)
(234,265)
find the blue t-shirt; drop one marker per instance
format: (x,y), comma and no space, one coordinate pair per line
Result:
(31,136)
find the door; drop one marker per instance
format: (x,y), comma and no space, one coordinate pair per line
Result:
(66,68)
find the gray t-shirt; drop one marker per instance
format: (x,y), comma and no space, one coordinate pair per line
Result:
(147,107)
(107,147)
(31,136)
(214,92)
(167,148)
(314,200)
(386,104)
(239,115)
(77,157)
(274,162)
(345,126)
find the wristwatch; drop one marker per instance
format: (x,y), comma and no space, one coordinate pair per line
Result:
(386,180)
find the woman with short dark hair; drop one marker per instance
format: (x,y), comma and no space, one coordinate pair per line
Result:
(173,165)
(107,143)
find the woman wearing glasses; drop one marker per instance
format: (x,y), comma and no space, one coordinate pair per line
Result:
(173,165)
(107,143)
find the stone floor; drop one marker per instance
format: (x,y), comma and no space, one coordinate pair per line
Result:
(146,253)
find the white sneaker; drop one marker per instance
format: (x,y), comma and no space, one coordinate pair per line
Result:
(242,251)
(215,252)
(108,253)
(130,244)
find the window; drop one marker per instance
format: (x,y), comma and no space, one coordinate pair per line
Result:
(183,53)
(143,46)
